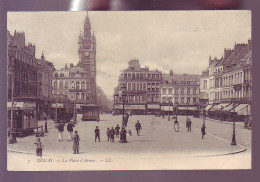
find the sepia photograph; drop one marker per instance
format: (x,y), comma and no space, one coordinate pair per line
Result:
(129,90)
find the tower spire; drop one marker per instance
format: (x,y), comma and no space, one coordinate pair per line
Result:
(42,57)
(87,27)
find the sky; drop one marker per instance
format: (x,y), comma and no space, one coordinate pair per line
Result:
(181,41)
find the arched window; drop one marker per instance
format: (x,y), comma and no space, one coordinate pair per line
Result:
(83,85)
(87,84)
(82,96)
(77,85)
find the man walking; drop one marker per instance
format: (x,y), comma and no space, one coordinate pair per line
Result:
(203,131)
(108,134)
(188,125)
(70,131)
(112,135)
(138,127)
(97,134)
(61,129)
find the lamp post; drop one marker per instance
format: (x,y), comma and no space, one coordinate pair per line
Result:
(204,117)
(12,137)
(234,126)
(123,97)
(75,117)
(187,109)
(169,109)
(56,108)
(175,109)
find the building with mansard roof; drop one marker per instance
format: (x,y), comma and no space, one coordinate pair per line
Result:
(229,80)
(32,76)
(142,88)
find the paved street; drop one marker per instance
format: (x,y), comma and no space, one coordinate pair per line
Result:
(157,138)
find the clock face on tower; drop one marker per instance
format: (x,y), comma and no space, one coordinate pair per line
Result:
(87,53)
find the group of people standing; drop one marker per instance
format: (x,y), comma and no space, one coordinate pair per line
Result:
(188,126)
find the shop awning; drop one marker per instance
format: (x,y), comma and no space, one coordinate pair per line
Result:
(166,108)
(187,108)
(131,107)
(21,105)
(228,108)
(208,107)
(243,109)
(219,106)
(59,105)
(153,106)
(136,107)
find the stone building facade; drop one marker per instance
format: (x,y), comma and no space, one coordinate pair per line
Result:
(230,77)
(141,84)
(71,85)
(32,76)
(181,89)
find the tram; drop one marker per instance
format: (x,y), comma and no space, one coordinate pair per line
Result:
(90,112)
(64,112)
(24,118)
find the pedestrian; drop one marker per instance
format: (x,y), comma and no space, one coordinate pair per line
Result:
(70,131)
(76,143)
(61,129)
(123,135)
(112,134)
(39,147)
(176,125)
(108,134)
(117,128)
(138,127)
(188,125)
(203,131)
(97,134)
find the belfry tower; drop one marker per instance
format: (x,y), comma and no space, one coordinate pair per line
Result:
(87,56)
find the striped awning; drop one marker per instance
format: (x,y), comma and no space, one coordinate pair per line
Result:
(166,108)
(219,106)
(243,109)
(208,107)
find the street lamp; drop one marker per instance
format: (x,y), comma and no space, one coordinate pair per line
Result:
(75,117)
(12,137)
(204,117)
(175,109)
(234,126)
(169,109)
(187,109)
(56,108)
(123,98)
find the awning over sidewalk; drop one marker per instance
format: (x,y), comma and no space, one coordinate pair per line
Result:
(228,108)
(219,106)
(21,105)
(208,107)
(187,108)
(131,107)
(59,105)
(153,106)
(243,109)
(166,108)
